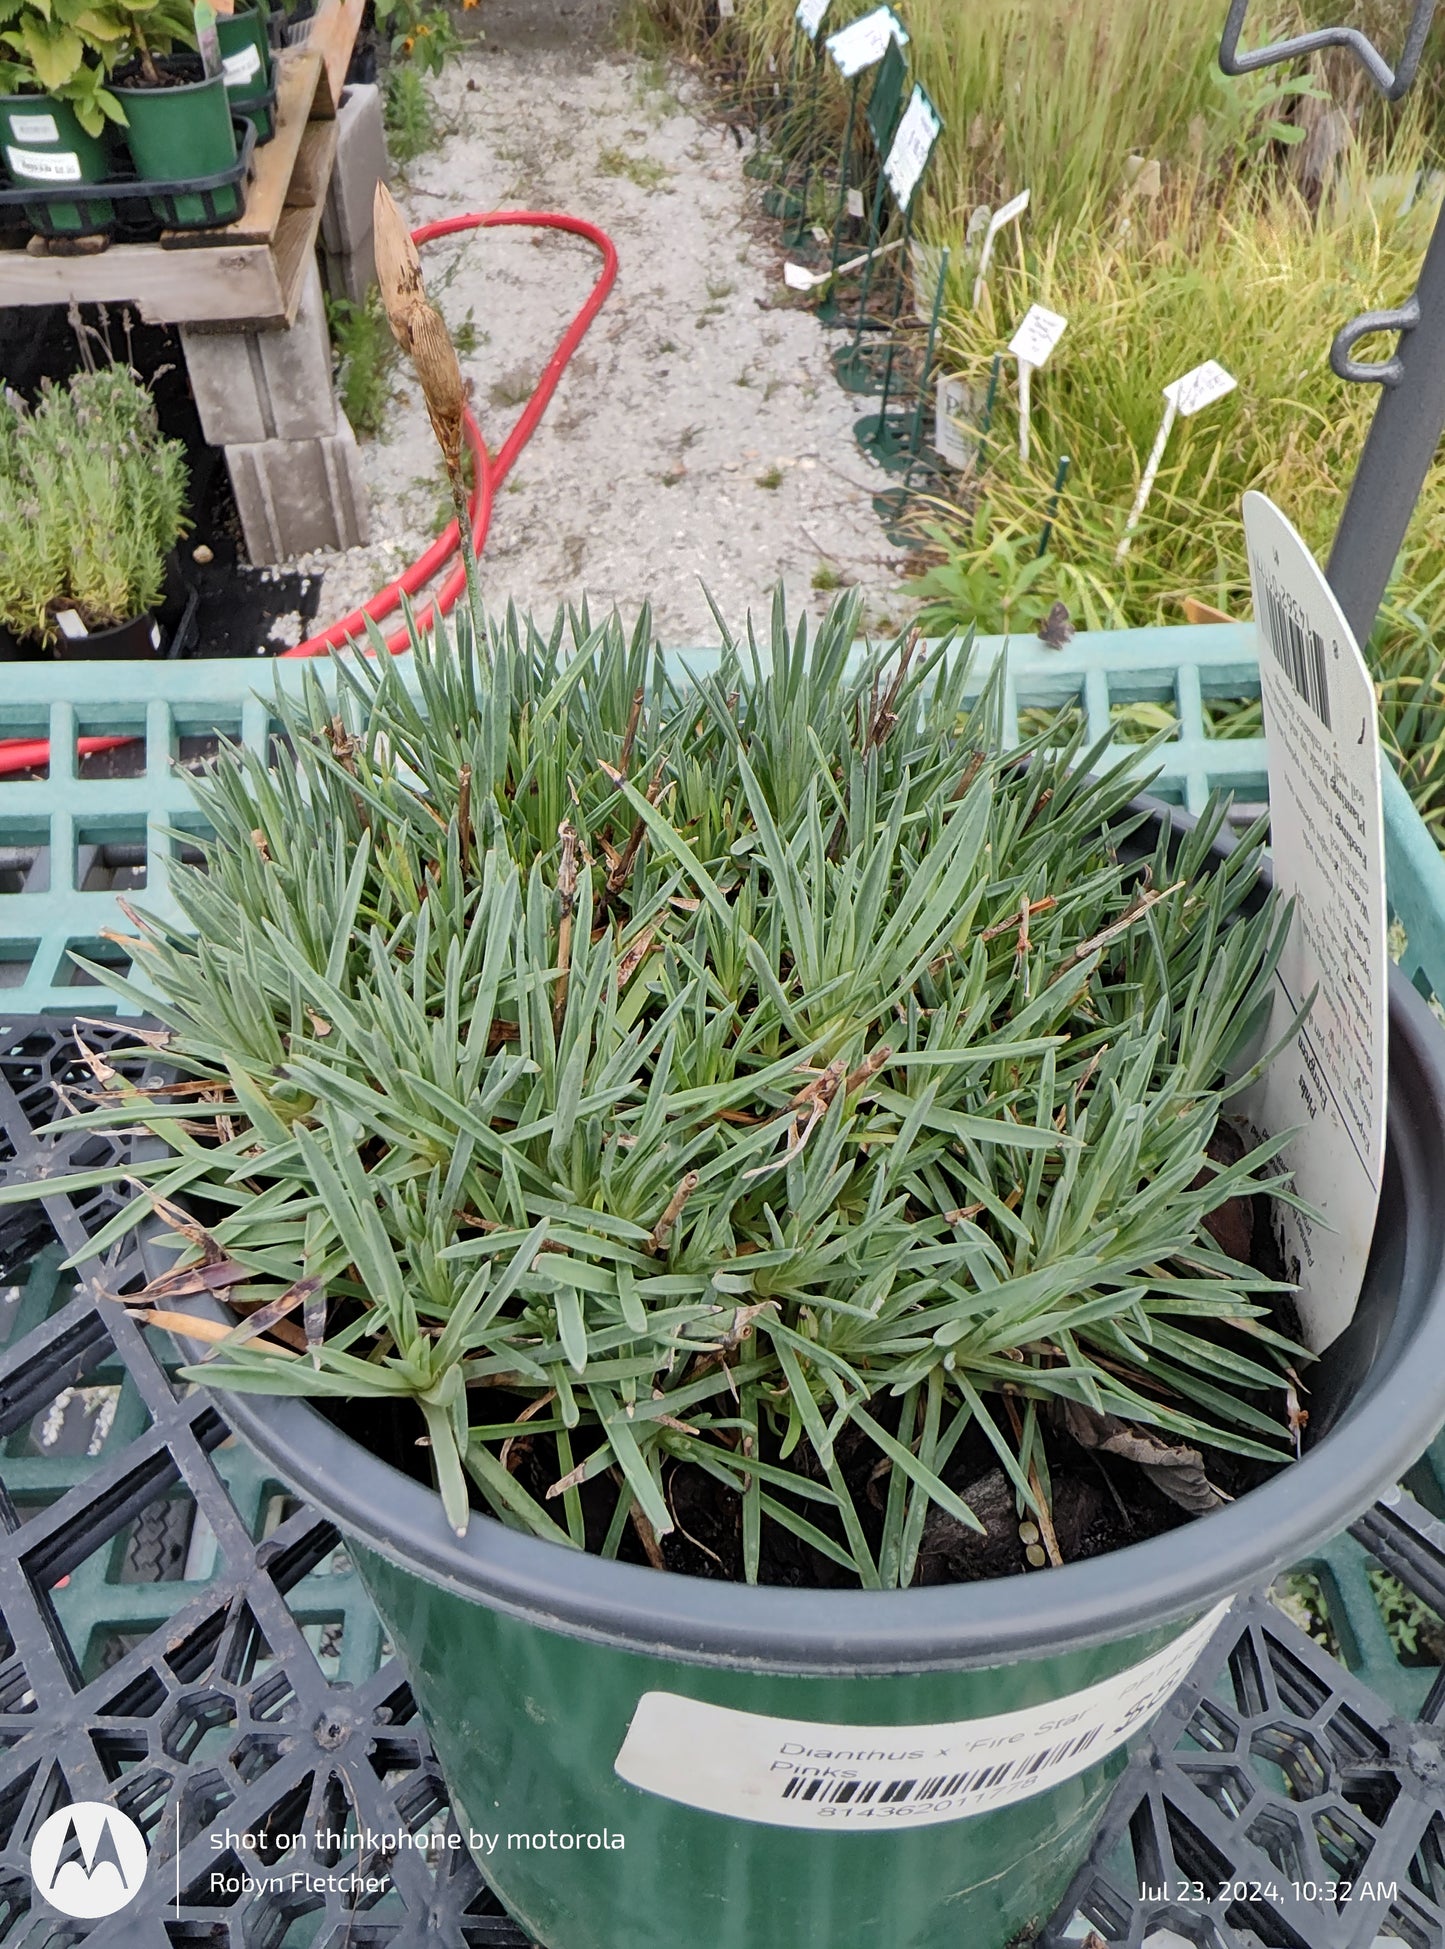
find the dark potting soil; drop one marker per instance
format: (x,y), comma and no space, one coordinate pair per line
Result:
(1099,1503)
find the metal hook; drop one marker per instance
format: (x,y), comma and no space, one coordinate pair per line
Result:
(1392,85)
(1384,372)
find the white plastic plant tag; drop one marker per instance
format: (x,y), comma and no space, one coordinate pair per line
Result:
(1009,212)
(726,9)
(876,1779)
(44,165)
(864,42)
(1328,848)
(950,442)
(853,203)
(34,128)
(810,16)
(912,145)
(1199,388)
(798,277)
(68,622)
(238,68)
(1037,336)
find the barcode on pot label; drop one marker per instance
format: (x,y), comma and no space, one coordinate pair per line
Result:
(44,165)
(1298,649)
(875,1779)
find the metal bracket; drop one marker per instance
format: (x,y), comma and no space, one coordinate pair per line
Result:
(1382,372)
(1391,84)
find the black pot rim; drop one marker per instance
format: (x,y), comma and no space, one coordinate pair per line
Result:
(1381,1432)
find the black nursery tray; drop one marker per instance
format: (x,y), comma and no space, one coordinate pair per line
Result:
(106,206)
(180,1637)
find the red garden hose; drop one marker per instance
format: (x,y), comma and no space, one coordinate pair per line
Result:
(487,476)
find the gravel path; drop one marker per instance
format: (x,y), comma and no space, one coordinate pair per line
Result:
(698,437)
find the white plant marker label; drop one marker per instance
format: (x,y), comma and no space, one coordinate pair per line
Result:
(44,165)
(798,277)
(810,16)
(911,147)
(1031,345)
(853,203)
(876,1779)
(1198,388)
(726,9)
(69,624)
(950,442)
(863,42)
(1327,844)
(1006,213)
(34,128)
(239,67)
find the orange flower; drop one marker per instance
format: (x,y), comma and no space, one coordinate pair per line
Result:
(408,44)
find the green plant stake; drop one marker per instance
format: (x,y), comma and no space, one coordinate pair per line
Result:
(1060,476)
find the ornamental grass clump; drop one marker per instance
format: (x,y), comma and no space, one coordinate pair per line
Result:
(751,1083)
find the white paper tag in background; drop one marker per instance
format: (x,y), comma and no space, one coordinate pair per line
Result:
(810,16)
(865,41)
(239,67)
(951,442)
(44,165)
(853,203)
(34,128)
(1328,849)
(1037,336)
(876,1779)
(911,147)
(1199,388)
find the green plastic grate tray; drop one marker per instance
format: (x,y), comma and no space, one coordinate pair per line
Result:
(74,836)
(177,1634)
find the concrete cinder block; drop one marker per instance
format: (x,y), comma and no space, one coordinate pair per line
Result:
(274,385)
(360,164)
(298,495)
(350,274)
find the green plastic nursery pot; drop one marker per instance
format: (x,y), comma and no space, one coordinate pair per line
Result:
(642,1760)
(178,133)
(42,142)
(246,67)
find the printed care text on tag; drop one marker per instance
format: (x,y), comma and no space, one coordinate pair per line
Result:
(875,1779)
(1328,849)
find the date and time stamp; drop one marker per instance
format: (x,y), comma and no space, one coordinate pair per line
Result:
(1338,1894)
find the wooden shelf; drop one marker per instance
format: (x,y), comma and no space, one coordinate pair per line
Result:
(249,273)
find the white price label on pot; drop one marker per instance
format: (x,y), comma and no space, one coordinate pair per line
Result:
(34,128)
(44,165)
(911,147)
(863,42)
(876,1779)
(1037,336)
(810,16)
(950,441)
(1199,388)
(238,68)
(1328,847)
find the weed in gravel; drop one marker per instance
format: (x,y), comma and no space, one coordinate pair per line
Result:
(366,358)
(514,387)
(770,477)
(411,119)
(645,171)
(827,576)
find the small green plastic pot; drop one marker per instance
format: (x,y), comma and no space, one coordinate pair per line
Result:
(42,142)
(246,67)
(178,134)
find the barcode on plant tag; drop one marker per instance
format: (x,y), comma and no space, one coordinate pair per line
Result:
(1300,653)
(875,1778)
(978,1782)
